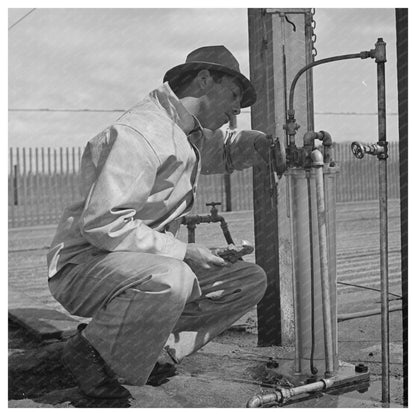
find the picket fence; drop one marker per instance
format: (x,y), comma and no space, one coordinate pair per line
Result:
(43,181)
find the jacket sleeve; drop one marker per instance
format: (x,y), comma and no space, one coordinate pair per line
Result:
(228,151)
(123,168)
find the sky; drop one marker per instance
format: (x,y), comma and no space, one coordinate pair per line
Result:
(111,58)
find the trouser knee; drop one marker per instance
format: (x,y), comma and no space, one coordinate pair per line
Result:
(260,278)
(254,281)
(180,281)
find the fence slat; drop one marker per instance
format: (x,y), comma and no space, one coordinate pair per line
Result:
(17,185)
(38,191)
(11,189)
(30,187)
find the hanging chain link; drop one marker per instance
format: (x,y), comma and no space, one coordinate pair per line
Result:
(313,23)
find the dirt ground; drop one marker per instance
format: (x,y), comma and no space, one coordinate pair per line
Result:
(38,379)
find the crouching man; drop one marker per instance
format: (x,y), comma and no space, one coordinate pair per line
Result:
(115,257)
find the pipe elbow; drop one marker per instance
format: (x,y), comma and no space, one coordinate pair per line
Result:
(260,399)
(308,138)
(317,158)
(255,401)
(326,138)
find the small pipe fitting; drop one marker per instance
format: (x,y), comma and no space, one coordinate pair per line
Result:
(261,399)
(380,51)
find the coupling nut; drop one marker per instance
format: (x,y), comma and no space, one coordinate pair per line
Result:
(367,54)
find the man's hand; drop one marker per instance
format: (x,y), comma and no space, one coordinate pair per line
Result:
(200,256)
(263,146)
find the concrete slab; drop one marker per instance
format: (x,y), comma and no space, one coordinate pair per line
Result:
(41,320)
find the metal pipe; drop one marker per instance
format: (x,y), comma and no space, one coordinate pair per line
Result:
(282,394)
(192,220)
(282,26)
(225,230)
(362,55)
(317,164)
(261,399)
(312,368)
(380,57)
(309,58)
(364,314)
(294,274)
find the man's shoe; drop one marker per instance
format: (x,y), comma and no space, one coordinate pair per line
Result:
(90,370)
(164,368)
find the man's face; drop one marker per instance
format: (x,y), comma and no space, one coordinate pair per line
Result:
(221,101)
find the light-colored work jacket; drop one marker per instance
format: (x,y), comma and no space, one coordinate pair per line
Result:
(138,177)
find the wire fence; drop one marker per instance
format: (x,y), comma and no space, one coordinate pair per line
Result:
(43,181)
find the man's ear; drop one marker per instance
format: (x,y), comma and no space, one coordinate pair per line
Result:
(204,79)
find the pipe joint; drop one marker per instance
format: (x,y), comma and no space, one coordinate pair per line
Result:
(380,51)
(367,54)
(285,394)
(261,399)
(328,383)
(325,137)
(291,127)
(383,154)
(317,159)
(309,139)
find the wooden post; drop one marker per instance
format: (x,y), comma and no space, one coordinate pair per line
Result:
(277,53)
(402,84)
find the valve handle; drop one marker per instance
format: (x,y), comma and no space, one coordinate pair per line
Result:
(357,150)
(212,204)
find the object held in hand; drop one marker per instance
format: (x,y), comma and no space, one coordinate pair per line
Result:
(233,252)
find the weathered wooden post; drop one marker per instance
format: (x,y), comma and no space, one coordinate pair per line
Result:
(280,44)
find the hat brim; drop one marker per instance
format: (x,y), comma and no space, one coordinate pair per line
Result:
(248,94)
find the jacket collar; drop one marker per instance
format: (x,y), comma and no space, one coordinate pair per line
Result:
(167,99)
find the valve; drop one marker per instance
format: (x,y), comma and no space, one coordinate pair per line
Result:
(214,209)
(359,150)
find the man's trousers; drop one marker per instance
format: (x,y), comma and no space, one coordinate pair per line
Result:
(141,302)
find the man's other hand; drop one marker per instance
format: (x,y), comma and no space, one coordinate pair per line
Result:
(200,256)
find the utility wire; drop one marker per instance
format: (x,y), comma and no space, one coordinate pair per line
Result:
(19,20)
(74,110)
(102,110)
(367,287)
(67,110)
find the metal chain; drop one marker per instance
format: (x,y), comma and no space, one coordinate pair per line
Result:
(313,23)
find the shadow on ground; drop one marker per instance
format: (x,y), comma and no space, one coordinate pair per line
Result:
(37,375)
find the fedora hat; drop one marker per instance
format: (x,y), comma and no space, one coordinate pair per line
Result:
(217,58)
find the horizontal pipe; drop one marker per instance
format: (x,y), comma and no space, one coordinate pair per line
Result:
(282,395)
(363,314)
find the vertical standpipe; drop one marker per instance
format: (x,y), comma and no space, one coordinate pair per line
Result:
(380,58)
(307,288)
